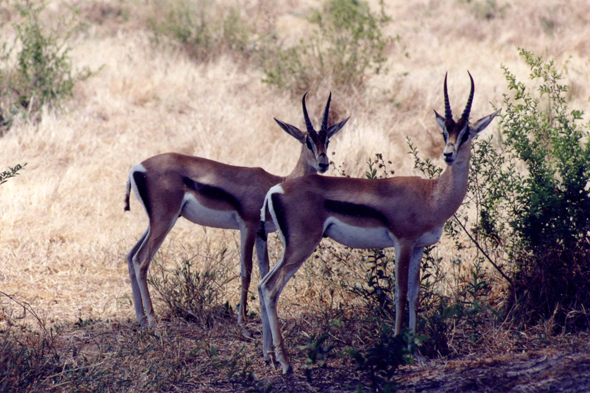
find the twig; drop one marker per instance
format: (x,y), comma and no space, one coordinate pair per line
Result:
(482,250)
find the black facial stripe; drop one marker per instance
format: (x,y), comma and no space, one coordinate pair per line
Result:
(279,210)
(355,210)
(141,184)
(464,136)
(212,192)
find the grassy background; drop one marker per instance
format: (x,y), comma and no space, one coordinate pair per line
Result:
(63,233)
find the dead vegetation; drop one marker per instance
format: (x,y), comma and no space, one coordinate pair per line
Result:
(66,310)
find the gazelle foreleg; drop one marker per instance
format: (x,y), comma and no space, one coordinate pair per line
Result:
(414,285)
(247,235)
(261,245)
(402,266)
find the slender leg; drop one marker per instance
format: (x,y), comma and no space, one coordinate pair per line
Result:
(263,263)
(271,287)
(262,255)
(139,312)
(247,245)
(402,265)
(141,261)
(414,285)
(266,331)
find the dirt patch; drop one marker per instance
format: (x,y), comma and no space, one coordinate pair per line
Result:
(545,370)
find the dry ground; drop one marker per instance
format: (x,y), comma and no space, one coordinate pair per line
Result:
(63,233)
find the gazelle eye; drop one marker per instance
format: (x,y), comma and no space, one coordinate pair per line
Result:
(308,144)
(327,144)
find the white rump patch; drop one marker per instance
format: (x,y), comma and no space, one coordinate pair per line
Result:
(267,202)
(194,211)
(137,168)
(358,237)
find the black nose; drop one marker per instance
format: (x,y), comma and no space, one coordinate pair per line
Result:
(323,166)
(448,154)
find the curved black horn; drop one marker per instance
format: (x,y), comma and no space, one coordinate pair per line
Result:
(326,113)
(448,112)
(465,115)
(307,121)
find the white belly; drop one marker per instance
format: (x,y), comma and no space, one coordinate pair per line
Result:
(358,237)
(430,238)
(193,211)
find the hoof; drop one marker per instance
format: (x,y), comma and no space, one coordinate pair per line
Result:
(269,358)
(246,333)
(287,369)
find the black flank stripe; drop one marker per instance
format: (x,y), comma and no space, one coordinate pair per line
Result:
(212,192)
(141,183)
(356,210)
(279,210)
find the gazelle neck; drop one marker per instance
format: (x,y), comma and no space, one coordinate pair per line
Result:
(302,167)
(451,187)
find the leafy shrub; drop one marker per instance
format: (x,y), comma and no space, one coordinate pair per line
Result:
(531,200)
(541,213)
(195,295)
(42,74)
(202,28)
(346,45)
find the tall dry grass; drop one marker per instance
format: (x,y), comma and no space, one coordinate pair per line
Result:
(63,233)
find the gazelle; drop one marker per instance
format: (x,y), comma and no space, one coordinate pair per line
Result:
(213,194)
(407,213)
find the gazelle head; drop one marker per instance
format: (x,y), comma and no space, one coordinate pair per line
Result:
(315,143)
(458,134)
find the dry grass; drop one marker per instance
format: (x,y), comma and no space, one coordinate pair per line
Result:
(63,234)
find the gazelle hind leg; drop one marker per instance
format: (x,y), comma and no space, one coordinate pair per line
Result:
(137,302)
(141,261)
(272,285)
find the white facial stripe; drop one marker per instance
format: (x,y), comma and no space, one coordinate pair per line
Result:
(314,148)
(461,134)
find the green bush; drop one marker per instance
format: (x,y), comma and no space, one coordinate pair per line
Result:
(193,294)
(532,202)
(541,212)
(41,71)
(202,28)
(346,46)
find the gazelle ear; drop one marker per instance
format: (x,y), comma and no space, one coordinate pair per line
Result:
(332,130)
(292,130)
(440,121)
(482,123)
